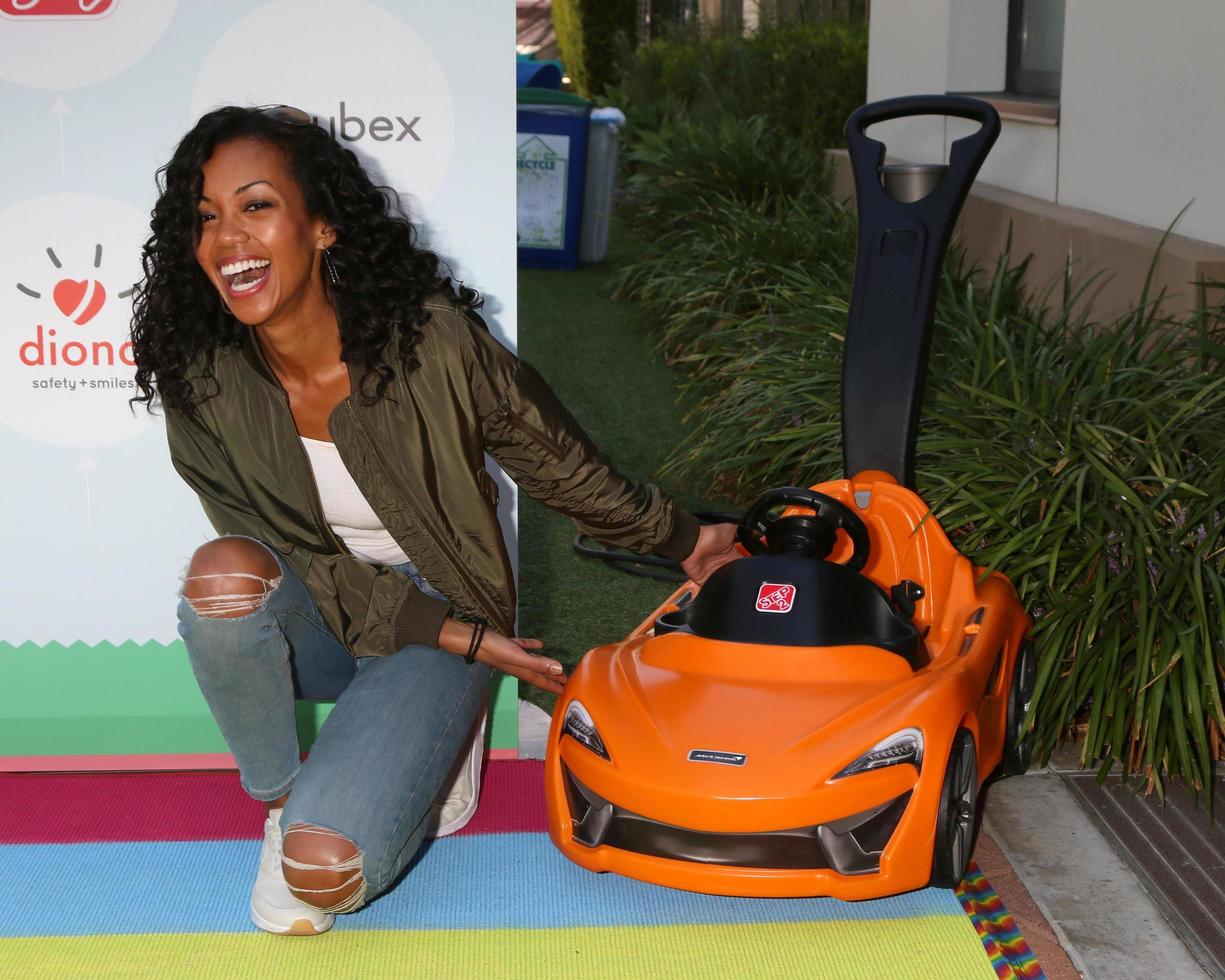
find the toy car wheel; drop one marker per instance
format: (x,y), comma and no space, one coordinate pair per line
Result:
(1018,743)
(955,820)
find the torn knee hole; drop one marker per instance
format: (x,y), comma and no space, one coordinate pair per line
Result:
(228,594)
(346,900)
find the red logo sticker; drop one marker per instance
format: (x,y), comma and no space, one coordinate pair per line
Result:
(774,597)
(55,8)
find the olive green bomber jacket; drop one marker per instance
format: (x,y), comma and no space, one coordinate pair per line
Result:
(418,456)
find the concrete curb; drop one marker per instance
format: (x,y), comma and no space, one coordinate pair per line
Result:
(1103,917)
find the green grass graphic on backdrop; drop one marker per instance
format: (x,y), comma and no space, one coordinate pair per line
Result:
(135,699)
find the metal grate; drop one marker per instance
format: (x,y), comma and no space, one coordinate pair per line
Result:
(1175,848)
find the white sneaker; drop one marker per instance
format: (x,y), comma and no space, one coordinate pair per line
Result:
(456,802)
(273,906)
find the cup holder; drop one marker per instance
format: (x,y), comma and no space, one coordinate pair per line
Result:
(678,619)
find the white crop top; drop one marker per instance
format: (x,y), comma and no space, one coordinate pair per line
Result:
(347,511)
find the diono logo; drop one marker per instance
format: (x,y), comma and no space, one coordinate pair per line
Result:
(79,300)
(32,9)
(66,360)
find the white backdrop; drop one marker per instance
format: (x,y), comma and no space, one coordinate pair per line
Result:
(94,96)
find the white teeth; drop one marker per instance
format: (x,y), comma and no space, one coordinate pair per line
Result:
(233,268)
(247,287)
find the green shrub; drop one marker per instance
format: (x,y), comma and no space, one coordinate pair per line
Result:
(730,217)
(1084,459)
(588,35)
(739,158)
(803,80)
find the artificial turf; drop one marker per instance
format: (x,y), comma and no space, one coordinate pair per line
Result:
(597,354)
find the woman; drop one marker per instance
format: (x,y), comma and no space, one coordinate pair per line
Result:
(330,398)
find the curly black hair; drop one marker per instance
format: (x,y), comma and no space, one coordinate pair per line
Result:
(383,277)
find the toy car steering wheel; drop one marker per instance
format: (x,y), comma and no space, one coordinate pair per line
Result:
(810,535)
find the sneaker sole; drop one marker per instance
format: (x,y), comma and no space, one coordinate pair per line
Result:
(300,927)
(473,763)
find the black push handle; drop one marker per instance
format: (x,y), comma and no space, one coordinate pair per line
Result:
(966,155)
(960,106)
(900,255)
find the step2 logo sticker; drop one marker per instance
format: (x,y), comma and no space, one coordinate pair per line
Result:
(66,361)
(397,110)
(775,597)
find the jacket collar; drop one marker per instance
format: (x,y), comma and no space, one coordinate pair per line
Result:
(253,355)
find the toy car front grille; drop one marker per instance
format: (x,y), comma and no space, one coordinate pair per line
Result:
(851,845)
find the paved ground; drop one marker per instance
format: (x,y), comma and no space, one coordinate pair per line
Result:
(1083,911)
(1095,905)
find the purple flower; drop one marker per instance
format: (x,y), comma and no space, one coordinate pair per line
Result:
(1114,554)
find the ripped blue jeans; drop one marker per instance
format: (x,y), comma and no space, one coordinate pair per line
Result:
(398,725)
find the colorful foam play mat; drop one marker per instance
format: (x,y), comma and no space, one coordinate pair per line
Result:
(148,874)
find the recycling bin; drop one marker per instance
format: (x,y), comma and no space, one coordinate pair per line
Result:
(551,160)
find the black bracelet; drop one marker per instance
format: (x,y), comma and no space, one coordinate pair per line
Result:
(478,634)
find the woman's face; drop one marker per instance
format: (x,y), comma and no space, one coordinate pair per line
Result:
(258,245)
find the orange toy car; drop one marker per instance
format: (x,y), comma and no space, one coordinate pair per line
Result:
(819,717)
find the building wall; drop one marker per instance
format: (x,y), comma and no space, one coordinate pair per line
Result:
(908,47)
(1142,131)
(1142,119)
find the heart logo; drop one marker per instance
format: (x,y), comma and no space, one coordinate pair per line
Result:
(79,299)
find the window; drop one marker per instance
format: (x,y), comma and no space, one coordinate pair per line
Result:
(1035,47)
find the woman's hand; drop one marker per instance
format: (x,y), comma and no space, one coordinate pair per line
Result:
(509,654)
(715,548)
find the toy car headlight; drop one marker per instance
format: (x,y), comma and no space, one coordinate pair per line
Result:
(903,746)
(581,728)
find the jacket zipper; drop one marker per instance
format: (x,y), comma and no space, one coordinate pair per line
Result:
(443,547)
(316,497)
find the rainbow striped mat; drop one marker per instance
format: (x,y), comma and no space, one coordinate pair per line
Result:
(148,874)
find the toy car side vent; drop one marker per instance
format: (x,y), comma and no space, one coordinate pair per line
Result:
(851,845)
(971,629)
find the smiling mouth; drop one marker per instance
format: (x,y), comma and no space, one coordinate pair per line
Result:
(245,275)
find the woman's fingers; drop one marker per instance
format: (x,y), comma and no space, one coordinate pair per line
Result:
(534,676)
(543,682)
(510,655)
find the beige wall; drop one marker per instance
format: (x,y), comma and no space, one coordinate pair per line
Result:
(1140,134)
(1108,256)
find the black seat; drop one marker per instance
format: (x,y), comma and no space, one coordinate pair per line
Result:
(831,605)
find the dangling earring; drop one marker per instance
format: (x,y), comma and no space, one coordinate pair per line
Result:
(327,261)
(226,306)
